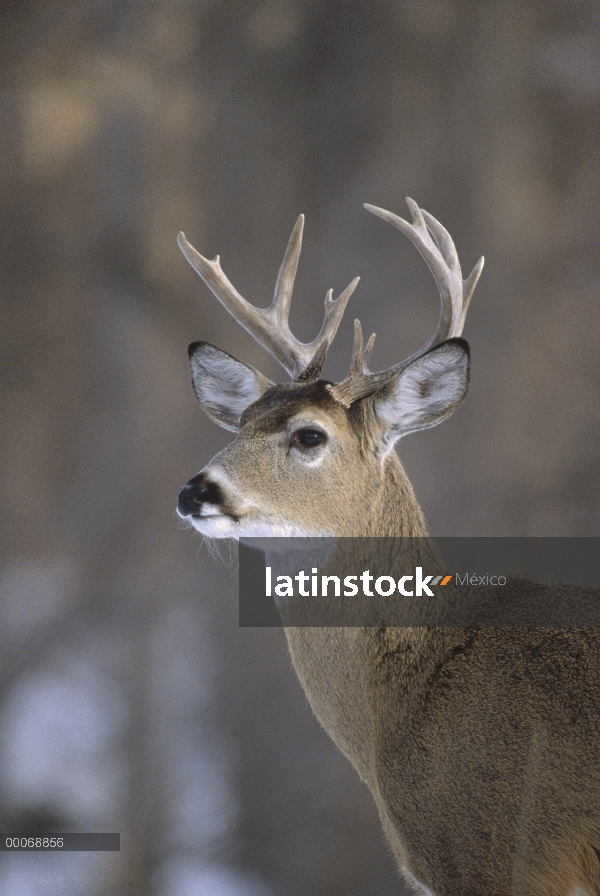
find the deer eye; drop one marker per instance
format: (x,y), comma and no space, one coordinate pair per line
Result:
(305,439)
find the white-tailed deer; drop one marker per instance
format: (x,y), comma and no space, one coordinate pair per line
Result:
(481,746)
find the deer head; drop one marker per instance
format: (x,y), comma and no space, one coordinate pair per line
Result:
(313,457)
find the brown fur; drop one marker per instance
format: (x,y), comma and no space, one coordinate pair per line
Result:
(480,747)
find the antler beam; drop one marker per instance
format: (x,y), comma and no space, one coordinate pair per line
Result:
(269,326)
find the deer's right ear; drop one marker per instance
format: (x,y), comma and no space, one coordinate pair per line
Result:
(223,386)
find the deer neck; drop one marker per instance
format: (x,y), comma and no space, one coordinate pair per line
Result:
(393,510)
(337,666)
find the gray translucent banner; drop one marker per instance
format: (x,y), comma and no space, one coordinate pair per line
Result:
(60,843)
(453,582)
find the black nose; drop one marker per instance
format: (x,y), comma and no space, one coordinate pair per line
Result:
(198,491)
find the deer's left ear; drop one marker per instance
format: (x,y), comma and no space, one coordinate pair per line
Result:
(224,386)
(425,392)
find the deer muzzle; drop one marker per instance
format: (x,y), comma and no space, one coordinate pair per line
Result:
(199,495)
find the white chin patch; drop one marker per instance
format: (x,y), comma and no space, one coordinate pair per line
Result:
(221,526)
(215,525)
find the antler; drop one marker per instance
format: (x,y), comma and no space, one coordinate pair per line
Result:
(435,245)
(270,326)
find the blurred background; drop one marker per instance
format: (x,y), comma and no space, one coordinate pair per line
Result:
(130,700)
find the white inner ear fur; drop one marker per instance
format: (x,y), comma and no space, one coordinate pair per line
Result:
(426,392)
(225,387)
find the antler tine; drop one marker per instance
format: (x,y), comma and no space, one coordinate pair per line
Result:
(469,288)
(284,286)
(358,352)
(437,248)
(269,326)
(360,355)
(368,351)
(444,241)
(360,381)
